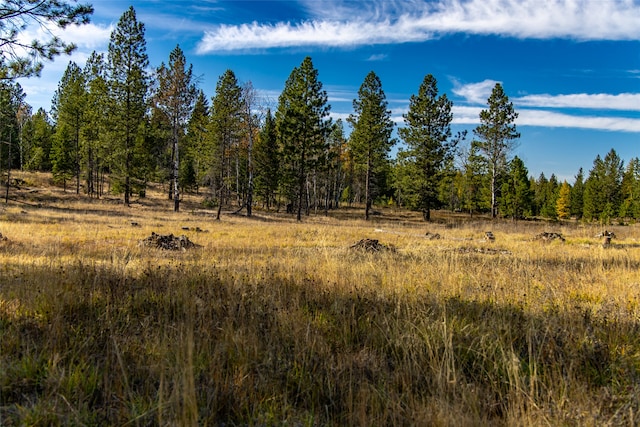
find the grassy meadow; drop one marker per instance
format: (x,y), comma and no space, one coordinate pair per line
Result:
(274,322)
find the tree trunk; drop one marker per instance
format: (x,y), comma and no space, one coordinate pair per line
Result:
(171,171)
(77,157)
(367,190)
(176,168)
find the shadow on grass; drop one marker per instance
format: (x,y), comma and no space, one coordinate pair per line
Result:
(88,345)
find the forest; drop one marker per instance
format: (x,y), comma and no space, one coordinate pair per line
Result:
(117,123)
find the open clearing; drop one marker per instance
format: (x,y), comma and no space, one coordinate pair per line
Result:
(267,321)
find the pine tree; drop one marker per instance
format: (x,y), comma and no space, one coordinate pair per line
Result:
(302,125)
(175,97)
(38,136)
(474,171)
(128,83)
(62,158)
(68,109)
(548,209)
(225,134)
(630,190)
(370,140)
(563,204)
(516,190)
(251,123)
(428,137)
(19,58)
(196,139)
(496,138)
(336,157)
(267,161)
(11,99)
(577,193)
(540,193)
(602,188)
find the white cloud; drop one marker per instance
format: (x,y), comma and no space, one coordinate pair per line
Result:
(603,101)
(544,118)
(89,36)
(466,115)
(401,22)
(475,93)
(560,120)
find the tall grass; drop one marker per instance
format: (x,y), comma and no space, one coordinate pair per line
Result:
(272,322)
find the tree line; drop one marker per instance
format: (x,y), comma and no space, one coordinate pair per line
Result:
(115,125)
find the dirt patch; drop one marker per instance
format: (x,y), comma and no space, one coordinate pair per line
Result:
(547,236)
(168,242)
(371,245)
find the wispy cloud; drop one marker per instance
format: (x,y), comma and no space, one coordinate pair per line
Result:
(89,36)
(401,22)
(603,101)
(534,110)
(561,120)
(478,93)
(544,118)
(377,57)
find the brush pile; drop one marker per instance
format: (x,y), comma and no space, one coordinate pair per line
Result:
(371,245)
(168,242)
(547,236)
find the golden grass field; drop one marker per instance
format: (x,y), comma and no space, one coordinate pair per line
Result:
(274,322)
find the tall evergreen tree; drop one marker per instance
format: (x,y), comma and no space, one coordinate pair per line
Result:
(577,192)
(302,123)
(96,122)
(496,138)
(548,209)
(370,140)
(516,190)
(62,157)
(336,156)
(602,188)
(428,137)
(225,133)
(23,115)
(630,190)
(11,99)
(251,124)
(196,139)
(68,109)
(474,171)
(128,83)
(175,97)
(37,137)
(563,204)
(267,161)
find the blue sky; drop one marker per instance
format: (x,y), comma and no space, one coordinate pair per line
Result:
(571,67)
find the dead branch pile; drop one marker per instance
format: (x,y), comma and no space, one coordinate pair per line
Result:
(606,233)
(549,236)
(168,242)
(371,245)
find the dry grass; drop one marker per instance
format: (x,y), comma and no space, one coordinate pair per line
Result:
(275,322)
